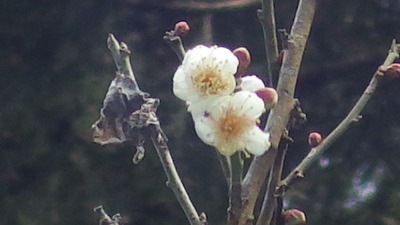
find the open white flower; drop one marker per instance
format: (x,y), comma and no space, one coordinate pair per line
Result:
(230,124)
(205,72)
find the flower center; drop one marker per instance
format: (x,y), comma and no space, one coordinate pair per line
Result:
(209,82)
(232,125)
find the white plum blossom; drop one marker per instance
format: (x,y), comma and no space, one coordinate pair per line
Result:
(205,73)
(252,83)
(230,124)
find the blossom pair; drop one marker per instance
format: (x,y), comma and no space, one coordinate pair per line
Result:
(223,118)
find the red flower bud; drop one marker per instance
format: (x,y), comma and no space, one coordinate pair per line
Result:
(181,28)
(244,58)
(294,217)
(269,95)
(314,139)
(392,71)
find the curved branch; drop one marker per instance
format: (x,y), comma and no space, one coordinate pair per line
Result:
(353,116)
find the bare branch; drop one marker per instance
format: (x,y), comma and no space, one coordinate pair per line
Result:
(129,115)
(267,19)
(210,6)
(174,182)
(105,219)
(316,152)
(269,204)
(225,166)
(175,42)
(235,188)
(120,53)
(279,116)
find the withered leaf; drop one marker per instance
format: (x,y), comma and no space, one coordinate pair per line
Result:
(126,114)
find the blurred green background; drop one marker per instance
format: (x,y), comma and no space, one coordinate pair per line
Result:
(55,69)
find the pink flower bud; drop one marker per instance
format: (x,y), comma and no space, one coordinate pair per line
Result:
(392,71)
(294,217)
(314,139)
(244,58)
(181,28)
(269,96)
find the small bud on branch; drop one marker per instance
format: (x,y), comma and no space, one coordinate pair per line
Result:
(392,71)
(181,28)
(244,58)
(314,139)
(294,217)
(269,96)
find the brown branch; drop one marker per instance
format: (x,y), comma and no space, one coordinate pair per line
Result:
(225,167)
(235,188)
(353,116)
(139,121)
(175,42)
(279,116)
(269,204)
(174,182)
(210,6)
(266,17)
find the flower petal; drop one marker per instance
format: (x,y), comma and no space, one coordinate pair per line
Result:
(195,57)
(224,60)
(204,130)
(248,103)
(206,105)
(181,88)
(257,141)
(252,83)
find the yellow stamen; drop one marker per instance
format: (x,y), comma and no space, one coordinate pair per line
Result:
(209,82)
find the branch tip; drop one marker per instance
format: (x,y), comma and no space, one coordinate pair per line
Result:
(353,116)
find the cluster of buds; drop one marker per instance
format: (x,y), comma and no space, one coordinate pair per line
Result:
(225,106)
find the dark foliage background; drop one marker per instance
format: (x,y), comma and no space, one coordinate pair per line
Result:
(55,69)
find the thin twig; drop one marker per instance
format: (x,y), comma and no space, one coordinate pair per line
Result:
(175,42)
(235,188)
(120,52)
(266,17)
(174,182)
(316,152)
(279,115)
(225,166)
(269,204)
(105,219)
